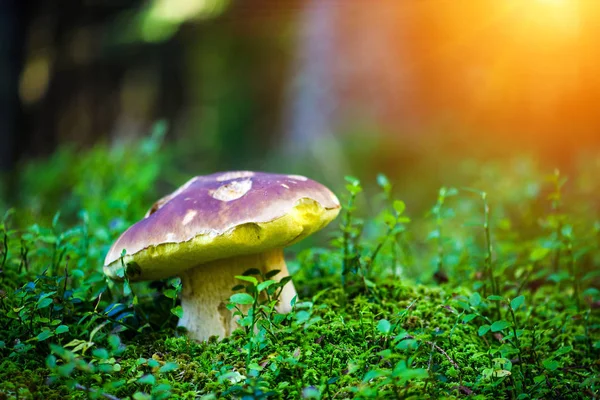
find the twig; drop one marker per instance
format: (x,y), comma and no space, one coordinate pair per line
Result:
(430,359)
(90,390)
(438,348)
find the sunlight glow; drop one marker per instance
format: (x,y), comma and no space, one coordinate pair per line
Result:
(162,18)
(548,17)
(554,2)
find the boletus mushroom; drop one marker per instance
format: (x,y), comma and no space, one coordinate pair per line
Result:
(215,227)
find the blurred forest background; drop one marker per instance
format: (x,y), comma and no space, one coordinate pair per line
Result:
(320,87)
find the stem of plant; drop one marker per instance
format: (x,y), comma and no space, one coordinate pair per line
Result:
(251,332)
(114,321)
(573,274)
(346,237)
(518,345)
(556,197)
(438,222)
(5,249)
(489,262)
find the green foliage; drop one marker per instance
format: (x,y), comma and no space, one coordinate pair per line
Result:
(507,309)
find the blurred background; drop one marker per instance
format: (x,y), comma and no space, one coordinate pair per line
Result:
(321,87)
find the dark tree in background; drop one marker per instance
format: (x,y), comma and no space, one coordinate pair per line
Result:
(76,72)
(72,86)
(12,35)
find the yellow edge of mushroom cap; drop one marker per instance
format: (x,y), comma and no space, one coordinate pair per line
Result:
(170,259)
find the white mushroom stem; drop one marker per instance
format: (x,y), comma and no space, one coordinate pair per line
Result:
(207,288)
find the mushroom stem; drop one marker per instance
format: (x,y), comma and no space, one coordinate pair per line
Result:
(207,288)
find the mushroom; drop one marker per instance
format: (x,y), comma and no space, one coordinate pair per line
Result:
(215,227)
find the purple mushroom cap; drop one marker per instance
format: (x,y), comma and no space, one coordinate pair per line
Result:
(204,213)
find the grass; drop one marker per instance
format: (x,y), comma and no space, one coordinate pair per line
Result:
(494,293)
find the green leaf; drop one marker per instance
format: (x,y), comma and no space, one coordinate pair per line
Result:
(559,277)
(500,325)
(352,180)
(550,364)
(51,361)
(495,297)
(538,254)
(263,285)
(44,335)
(168,367)
(563,350)
(147,379)
(272,273)
(369,283)
(451,192)
(170,293)
(591,275)
(66,369)
(45,302)
(375,373)
(483,329)
(353,185)
(241,298)
(389,219)
(161,388)
(61,329)
(383,182)
(475,299)
(517,302)
(252,271)
(126,288)
(250,279)
(433,235)
(48,239)
(399,206)
(100,353)
(384,326)
(114,341)
(567,231)
(177,311)
(469,317)
(501,373)
(55,219)
(302,316)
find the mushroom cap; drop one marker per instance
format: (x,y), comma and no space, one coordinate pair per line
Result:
(219,216)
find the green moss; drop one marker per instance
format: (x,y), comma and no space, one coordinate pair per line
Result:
(388,331)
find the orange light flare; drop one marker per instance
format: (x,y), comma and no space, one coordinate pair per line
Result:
(528,69)
(518,71)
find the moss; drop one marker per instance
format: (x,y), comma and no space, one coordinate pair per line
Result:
(65,332)
(334,353)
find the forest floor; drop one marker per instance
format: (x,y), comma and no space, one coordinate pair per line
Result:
(490,294)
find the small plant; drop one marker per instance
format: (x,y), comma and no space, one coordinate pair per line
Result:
(517,318)
(351,228)
(260,299)
(440,213)
(359,261)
